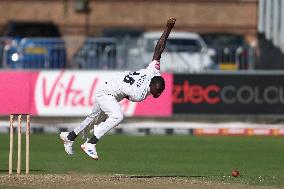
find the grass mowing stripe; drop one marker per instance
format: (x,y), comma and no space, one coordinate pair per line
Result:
(259,159)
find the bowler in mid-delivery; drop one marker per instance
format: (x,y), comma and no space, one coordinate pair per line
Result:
(134,86)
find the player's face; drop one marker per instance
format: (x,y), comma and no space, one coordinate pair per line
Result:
(156,90)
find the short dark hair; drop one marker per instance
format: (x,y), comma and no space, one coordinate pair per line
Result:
(158,79)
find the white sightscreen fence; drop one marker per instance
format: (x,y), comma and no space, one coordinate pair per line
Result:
(271,21)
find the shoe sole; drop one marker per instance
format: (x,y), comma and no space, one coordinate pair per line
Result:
(82,148)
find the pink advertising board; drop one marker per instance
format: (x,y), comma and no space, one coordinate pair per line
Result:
(17,92)
(68,93)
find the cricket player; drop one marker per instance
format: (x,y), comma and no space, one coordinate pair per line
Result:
(134,86)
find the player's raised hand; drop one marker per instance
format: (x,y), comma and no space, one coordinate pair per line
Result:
(161,44)
(171,22)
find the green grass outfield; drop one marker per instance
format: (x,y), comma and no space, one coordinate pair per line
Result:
(260,160)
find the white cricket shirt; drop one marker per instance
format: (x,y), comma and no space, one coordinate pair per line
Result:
(133,85)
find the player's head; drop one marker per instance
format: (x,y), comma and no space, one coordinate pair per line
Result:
(157,86)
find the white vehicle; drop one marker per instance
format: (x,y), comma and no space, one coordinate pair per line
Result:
(185,52)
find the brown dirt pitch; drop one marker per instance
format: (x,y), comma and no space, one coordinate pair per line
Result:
(72,181)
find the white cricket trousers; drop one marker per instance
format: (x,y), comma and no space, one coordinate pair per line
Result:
(106,113)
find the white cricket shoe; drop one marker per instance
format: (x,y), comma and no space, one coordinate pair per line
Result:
(67,143)
(90,150)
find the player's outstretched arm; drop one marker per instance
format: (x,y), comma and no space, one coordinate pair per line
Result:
(162,41)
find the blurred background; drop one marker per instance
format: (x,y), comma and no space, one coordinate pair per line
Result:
(223,60)
(89,34)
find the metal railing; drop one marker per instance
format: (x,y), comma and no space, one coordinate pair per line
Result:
(108,54)
(234,57)
(96,53)
(32,53)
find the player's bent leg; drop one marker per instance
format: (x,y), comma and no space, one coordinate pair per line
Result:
(89,147)
(69,137)
(110,106)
